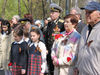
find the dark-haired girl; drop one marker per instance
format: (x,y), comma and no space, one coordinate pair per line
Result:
(19,53)
(6,38)
(37,54)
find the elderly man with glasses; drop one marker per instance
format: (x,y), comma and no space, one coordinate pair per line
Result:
(89,47)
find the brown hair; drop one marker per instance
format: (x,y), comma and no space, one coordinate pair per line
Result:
(29,16)
(73,18)
(19,30)
(37,31)
(26,33)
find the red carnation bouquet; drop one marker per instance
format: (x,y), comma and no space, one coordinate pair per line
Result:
(56,36)
(10,65)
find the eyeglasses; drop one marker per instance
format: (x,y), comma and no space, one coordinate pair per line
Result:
(89,12)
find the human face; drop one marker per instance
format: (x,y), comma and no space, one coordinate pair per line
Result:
(45,22)
(68,25)
(27,26)
(34,36)
(75,13)
(5,28)
(14,21)
(54,15)
(92,17)
(16,37)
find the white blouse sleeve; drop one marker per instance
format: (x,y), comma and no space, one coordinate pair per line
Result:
(43,54)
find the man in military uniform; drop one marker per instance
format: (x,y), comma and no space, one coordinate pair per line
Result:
(56,25)
(27,26)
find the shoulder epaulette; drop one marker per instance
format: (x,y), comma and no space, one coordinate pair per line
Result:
(60,20)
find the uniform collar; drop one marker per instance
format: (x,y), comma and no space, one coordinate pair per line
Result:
(56,21)
(19,41)
(79,21)
(27,39)
(35,44)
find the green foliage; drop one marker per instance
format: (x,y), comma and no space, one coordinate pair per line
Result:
(35,8)
(1,2)
(11,9)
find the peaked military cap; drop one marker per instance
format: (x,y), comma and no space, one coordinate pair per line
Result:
(55,8)
(24,20)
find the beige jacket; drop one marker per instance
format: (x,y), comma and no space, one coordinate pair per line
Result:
(5,46)
(64,52)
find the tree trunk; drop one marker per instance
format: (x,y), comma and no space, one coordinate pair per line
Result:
(3,8)
(19,8)
(31,7)
(43,9)
(59,2)
(26,6)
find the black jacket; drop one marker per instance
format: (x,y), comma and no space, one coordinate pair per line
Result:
(50,29)
(19,54)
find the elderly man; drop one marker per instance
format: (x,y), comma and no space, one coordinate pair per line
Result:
(77,12)
(27,26)
(56,25)
(89,47)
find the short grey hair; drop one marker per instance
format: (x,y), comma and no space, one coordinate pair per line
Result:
(98,11)
(17,17)
(78,11)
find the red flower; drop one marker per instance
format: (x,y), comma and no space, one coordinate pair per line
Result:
(53,35)
(43,35)
(10,64)
(58,36)
(68,59)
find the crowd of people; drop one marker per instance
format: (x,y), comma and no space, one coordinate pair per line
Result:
(59,47)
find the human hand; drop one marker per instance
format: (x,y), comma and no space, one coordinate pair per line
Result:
(41,73)
(23,71)
(76,71)
(55,62)
(46,51)
(10,69)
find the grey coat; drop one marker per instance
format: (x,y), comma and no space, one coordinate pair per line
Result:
(80,26)
(89,52)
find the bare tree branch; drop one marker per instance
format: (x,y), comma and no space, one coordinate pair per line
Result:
(31,7)
(43,9)
(26,6)
(19,8)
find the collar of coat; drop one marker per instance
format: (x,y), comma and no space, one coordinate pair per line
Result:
(22,40)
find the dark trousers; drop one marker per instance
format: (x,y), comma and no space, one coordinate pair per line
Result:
(5,72)
(2,72)
(50,64)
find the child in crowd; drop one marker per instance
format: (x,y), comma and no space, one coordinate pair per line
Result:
(6,39)
(5,28)
(19,53)
(37,54)
(26,35)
